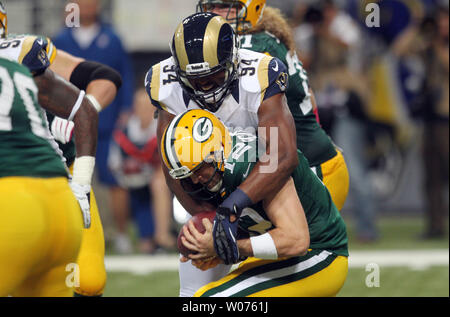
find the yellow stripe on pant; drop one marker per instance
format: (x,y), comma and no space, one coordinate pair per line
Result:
(336,179)
(40,235)
(320,273)
(91,259)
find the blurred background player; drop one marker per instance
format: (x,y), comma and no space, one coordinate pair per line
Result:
(290,243)
(264,29)
(426,39)
(38,238)
(97,41)
(135,162)
(101,84)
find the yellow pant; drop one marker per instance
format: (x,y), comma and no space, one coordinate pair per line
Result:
(317,274)
(336,179)
(40,235)
(91,259)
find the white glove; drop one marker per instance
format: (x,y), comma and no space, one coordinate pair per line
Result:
(62,129)
(83,195)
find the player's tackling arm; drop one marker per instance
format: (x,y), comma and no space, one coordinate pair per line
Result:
(290,237)
(291,234)
(281,142)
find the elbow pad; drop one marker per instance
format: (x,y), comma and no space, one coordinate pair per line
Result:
(88,71)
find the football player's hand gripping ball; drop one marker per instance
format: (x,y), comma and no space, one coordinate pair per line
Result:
(225,230)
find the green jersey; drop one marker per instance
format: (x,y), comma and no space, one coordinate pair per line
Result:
(311,138)
(26,146)
(327,229)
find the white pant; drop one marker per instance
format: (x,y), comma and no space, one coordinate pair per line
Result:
(191,278)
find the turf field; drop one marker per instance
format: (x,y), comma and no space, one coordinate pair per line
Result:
(408,267)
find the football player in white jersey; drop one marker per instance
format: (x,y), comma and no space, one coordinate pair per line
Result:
(245,90)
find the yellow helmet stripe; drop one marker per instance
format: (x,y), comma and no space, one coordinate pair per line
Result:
(163,149)
(211,40)
(169,147)
(180,47)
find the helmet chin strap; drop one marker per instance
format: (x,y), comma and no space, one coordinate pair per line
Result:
(216,187)
(213,99)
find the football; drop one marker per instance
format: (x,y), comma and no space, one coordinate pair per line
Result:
(198,225)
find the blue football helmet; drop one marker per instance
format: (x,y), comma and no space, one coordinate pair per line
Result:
(205,50)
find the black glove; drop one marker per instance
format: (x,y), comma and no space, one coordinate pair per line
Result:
(225,231)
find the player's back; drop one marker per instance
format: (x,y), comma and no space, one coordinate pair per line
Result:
(44,224)
(326,226)
(24,134)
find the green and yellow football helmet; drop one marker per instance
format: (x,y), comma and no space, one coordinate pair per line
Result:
(248,12)
(192,138)
(3,21)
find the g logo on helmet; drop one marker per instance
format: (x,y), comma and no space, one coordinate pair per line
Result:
(202,129)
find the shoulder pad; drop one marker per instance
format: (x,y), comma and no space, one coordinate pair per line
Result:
(253,70)
(163,88)
(34,55)
(29,50)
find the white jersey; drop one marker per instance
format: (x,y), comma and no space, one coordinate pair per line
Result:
(260,77)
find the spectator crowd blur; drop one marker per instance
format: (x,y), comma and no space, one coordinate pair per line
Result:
(380,89)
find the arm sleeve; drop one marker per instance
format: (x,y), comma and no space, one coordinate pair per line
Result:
(88,71)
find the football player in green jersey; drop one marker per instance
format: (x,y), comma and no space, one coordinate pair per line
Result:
(292,243)
(40,231)
(101,84)
(263,29)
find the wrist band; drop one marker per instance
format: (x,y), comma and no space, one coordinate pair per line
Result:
(77,105)
(94,102)
(83,168)
(238,198)
(264,247)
